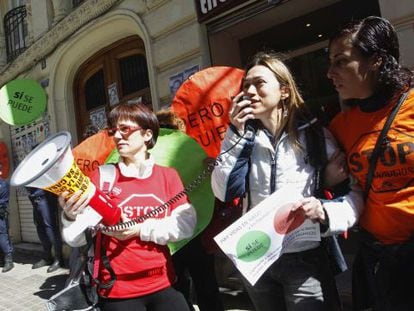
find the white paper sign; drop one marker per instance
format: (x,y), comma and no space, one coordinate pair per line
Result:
(256,240)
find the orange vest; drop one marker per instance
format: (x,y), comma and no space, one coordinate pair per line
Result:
(389,210)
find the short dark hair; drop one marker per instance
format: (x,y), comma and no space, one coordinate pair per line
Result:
(138,113)
(375,36)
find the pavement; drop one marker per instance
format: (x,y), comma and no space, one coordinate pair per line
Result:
(23,288)
(26,289)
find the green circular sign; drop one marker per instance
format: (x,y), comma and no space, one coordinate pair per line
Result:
(252,245)
(21,101)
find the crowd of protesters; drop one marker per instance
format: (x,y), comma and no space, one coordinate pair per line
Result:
(273,142)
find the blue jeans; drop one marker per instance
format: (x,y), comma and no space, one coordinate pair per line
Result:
(296,282)
(45,216)
(5,244)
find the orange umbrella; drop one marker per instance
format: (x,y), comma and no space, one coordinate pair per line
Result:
(93,151)
(203,102)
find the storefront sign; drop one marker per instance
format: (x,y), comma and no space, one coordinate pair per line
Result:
(22,101)
(207,9)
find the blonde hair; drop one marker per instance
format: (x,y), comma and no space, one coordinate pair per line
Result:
(294,105)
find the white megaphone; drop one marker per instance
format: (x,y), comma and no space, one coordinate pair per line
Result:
(51,166)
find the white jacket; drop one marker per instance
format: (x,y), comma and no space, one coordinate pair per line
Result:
(180,224)
(272,167)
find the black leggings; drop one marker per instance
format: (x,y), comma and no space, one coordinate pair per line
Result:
(165,300)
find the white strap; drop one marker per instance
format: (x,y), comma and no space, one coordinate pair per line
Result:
(107,174)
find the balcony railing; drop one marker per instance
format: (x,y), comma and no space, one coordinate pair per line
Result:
(15,31)
(76,3)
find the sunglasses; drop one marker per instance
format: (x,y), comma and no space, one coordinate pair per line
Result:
(124,130)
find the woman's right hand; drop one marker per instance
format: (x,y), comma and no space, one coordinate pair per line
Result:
(240,111)
(73,205)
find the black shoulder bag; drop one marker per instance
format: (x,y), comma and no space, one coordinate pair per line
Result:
(381,142)
(361,295)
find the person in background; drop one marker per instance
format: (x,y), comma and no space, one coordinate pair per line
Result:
(6,245)
(138,254)
(366,71)
(169,120)
(265,149)
(193,265)
(45,217)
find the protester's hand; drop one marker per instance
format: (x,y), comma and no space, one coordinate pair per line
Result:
(240,111)
(311,208)
(127,233)
(74,205)
(336,170)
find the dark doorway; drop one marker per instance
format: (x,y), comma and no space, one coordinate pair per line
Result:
(309,68)
(116,74)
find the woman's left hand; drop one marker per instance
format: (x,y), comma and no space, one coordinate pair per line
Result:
(311,208)
(127,233)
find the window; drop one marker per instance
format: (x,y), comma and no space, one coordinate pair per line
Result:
(15,31)
(95,91)
(134,73)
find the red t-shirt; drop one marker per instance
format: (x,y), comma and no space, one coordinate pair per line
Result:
(389,210)
(141,268)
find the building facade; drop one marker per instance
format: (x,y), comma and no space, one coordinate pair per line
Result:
(91,55)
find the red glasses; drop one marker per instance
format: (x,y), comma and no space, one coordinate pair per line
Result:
(124,130)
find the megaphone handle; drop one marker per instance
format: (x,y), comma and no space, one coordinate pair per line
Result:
(110,212)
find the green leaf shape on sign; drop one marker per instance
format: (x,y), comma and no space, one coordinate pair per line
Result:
(178,150)
(22,101)
(252,246)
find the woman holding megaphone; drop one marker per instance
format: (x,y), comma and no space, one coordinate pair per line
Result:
(138,254)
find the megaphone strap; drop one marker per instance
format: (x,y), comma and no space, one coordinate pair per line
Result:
(194,184)
(190,187)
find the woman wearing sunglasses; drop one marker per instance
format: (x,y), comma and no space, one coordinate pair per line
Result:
(138,254)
